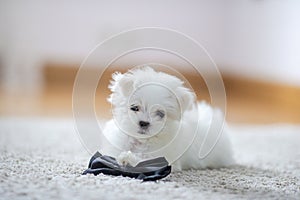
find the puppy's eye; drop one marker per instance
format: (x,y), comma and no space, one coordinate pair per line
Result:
(134,108)
(160,113)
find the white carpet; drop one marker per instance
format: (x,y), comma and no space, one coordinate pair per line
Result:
(43,159)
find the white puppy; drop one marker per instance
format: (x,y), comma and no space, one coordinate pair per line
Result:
(155,115)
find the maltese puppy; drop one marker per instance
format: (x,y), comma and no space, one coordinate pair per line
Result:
(156,115)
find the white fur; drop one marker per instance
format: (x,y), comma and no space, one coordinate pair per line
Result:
(167,105)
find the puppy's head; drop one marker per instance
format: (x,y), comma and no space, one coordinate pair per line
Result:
(147,102)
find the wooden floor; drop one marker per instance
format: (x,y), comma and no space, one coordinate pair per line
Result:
(248,101)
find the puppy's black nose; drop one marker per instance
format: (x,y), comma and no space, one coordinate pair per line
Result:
(144,124)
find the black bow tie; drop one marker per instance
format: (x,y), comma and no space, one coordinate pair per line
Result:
(149,170)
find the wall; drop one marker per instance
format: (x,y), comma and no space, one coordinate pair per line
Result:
(262,40)
(248,38)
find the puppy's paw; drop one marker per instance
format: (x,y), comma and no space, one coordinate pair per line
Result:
(127,158)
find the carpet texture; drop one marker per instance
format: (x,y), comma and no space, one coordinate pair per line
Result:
(44,159)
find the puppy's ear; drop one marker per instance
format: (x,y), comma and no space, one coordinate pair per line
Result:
(121,86)
(126,84)
(122,83)
(186,98)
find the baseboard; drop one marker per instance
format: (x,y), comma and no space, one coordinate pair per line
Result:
(248,100)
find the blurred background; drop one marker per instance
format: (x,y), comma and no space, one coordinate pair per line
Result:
(255,44)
